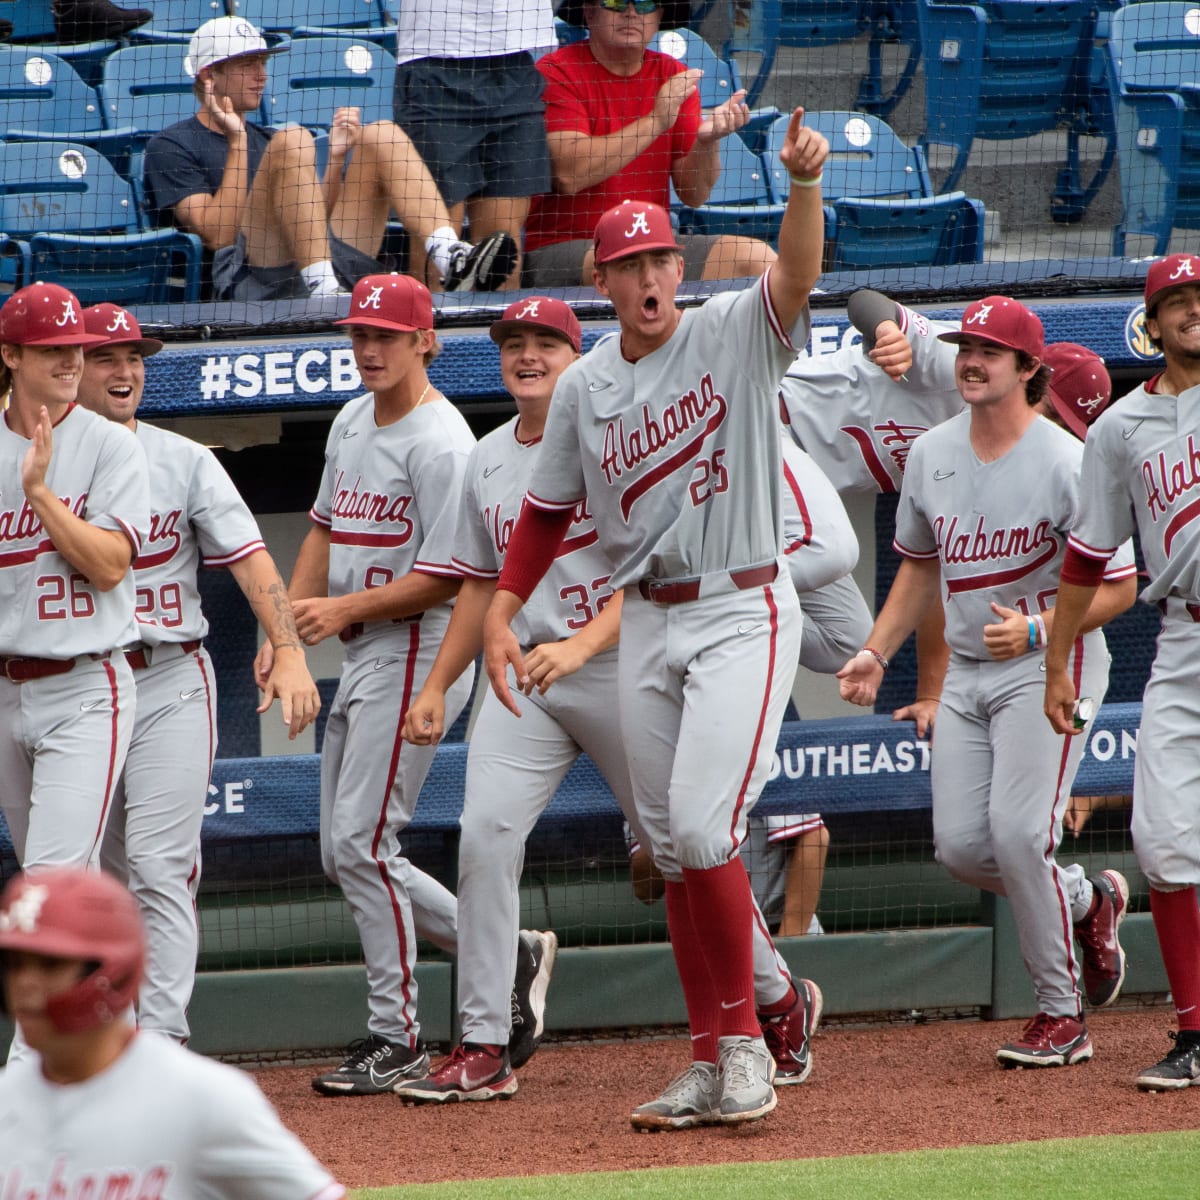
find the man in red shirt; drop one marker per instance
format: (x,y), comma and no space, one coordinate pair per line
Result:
(624,122)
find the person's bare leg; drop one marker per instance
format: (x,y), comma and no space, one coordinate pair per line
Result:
(488,214)
(806,872)
(284,220)
(734,257)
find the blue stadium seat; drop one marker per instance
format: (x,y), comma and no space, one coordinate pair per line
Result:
(880,207)
(369,19)
(1154,58)
(742,201)
(33,28)
(42,97)
(1006,69)
(321,74)
(177,20)
(78,224)
(720,79)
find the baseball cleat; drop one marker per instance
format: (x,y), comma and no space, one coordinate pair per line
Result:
(481,268)
(1180,1069)
(1048,1042)
(692,1098)
(469,1073)
(536,952)
(1098,934)
(373,1067)
(789,1035)
(746,1070)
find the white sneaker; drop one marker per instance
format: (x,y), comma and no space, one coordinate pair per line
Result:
(689,1099)
(747,1072)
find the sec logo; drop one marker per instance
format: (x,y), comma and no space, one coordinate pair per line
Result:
(1136,337)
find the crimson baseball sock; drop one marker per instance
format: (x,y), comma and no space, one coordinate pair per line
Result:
(1177,923)
(722,905)
(704,1013)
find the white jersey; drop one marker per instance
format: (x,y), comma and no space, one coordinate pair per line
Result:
(818,538)
(656,464)
(575,588)
(196,517)
(473,28)
(389,496)
(159,1122)
(1141,466)
(856,421)
(47,608)
(999,529)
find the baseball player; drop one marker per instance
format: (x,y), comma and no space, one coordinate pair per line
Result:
(663,427)
(107,1110)
(970,526)
(375,571)
(74,511)
(152,841)
(1141,468)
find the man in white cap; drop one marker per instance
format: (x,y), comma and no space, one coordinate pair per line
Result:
(253,196)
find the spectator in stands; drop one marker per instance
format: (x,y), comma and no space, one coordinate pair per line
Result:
(94,20)
(624,122)
(468,94)
(253,196)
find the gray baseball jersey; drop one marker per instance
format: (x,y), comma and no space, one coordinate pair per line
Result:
(389,498)
(153,836)
(857,422)
(1141,468)
(575,588)
(995,539)
(1000,776)
(818,539)
(197,518)
(160,1121)
(47,608)
(654,444)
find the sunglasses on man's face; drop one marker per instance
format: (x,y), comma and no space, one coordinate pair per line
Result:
(643,8)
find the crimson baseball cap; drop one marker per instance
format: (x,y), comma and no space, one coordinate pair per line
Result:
(118,327)
(44,314)
(390,302)
(1080,388)
(1176,270)
(631,227)
(539,312)
(1003,321)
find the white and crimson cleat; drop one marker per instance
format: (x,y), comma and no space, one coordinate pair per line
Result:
(1099,938)
(1048,1042)
(469,1073)
(789,1035)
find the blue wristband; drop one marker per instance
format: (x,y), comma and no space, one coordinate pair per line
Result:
(1032,634)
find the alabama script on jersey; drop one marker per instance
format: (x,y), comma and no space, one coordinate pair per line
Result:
(47,608)
(160,1123)
(575,588)
(1141,465)
(999,528)
(368,499)
(655,463)
(856,421)
(196,517)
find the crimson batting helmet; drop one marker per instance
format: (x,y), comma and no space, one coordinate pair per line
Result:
(68,912)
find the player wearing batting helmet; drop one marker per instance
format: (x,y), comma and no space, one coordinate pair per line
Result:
(105,1110)
(1140,473)
(970,527)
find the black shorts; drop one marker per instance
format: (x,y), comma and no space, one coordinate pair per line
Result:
(233,278)
(478,124)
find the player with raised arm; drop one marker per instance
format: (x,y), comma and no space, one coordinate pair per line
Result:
(103,1109)
(74,512)
(971,528)
(664,428)
(1141,469)
(152,841)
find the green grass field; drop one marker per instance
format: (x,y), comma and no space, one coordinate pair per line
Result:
(1156,1166)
